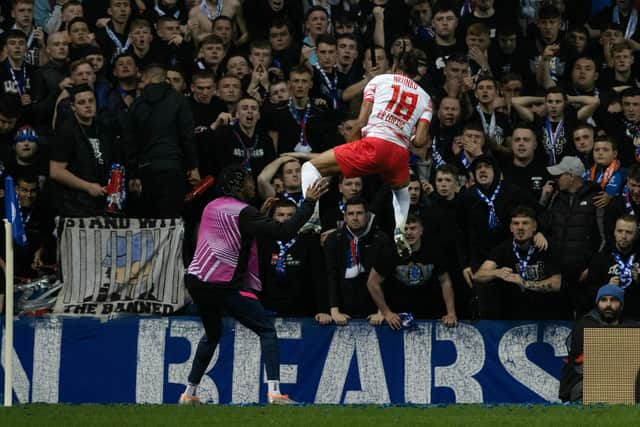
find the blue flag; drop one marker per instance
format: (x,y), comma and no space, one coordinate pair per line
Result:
(12,212)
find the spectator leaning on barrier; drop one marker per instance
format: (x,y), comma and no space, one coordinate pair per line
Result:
(608,312)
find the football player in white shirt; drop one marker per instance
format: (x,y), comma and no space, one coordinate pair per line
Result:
(393,106)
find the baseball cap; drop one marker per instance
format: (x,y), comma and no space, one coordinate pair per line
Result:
(570,164)
(611,291)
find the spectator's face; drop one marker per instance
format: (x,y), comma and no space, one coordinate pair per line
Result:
(229,89)
(238,66)
(577,40)
(350,187)
(523,228)
(203,90)
(280,37)
(625,234)
(549,29)
(512,88)
(414,192)
(26,150)
(623,60)
(484,174)
(169,3)
(84,105)
(22,13)
(583,140)
(317,23)
(57,46)
(212,54)
(223,29)
(611,37)
(413,232)
(603,153)
(141,38)
(523,144)
(248,113)
(120,11)
(474,137)
(355,216)
(381,60)
(347,52)
(260,56)
(326,54)
(565,181)
(7,124)
(97,61)
(71,12)
(284,213)
(176,80)
(83,74)
(555,105)
(79,34)
(291,176)
(300,84)
(507,43)
(16,48)
(422,14)
(623,4)
(401,45)
(168,29)
(125,68)
(456,71)
(445,184)
(486,92)
(609,308)
(342,28)
(276,5)
(449,112)
(634,189)
(480,41)
(278,92)
(631,108)
(445,23)
(27,193)
(584,74)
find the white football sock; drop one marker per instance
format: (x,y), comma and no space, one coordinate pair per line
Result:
(273,386)
(401,203)
(191,390)
(311,174)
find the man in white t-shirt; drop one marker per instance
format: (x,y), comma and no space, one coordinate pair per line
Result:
(393,106)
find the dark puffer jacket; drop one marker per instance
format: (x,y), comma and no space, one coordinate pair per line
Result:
(573,221)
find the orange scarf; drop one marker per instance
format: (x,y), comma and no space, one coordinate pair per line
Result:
(608,173)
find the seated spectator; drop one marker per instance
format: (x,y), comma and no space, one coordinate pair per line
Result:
(608,312)
(351,252)
(28,158)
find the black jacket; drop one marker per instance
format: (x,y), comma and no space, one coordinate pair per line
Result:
(474,237)
(158,131)
(45,91)
(352,295)
(572,219)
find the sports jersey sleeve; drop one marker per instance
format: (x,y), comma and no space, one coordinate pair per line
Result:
(369,91)
(427,114)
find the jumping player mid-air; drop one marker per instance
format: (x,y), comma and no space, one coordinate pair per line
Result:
(392,107)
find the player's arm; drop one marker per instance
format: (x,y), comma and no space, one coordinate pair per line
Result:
(361,121)
(422,134)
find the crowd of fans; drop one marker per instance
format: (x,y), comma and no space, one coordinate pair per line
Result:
(522,206)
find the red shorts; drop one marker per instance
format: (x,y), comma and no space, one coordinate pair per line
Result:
(369,155)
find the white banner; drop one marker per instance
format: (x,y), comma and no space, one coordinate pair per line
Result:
(121,265)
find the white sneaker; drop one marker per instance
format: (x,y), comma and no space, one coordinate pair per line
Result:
(188,400)
(403,248)
(280,399)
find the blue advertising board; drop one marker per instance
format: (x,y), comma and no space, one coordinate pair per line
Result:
(147,360)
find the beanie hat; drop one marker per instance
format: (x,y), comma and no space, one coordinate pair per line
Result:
(611,291)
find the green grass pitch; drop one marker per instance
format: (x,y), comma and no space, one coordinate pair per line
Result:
(40,415)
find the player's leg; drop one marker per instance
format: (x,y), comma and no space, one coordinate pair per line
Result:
(324,164)
(211,315)
(247,309)
(401,203)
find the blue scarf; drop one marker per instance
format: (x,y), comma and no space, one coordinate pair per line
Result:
(493,216)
